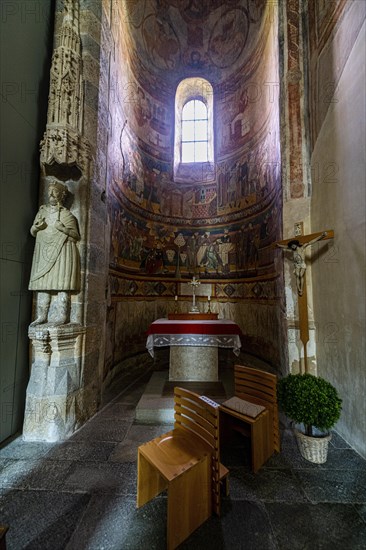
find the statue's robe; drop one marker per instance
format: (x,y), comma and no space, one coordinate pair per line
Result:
(56,259)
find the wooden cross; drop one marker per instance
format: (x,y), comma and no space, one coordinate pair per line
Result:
(298,245)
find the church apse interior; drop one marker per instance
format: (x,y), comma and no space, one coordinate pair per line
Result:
(216,220)
(281,88)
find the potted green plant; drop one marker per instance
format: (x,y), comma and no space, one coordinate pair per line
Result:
(313,402)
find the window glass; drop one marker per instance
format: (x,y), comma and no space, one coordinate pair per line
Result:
(188,111)
(193,129)
(188,130)
(200,133)
(188,152)
(194,132)
(200,109)
(200,151)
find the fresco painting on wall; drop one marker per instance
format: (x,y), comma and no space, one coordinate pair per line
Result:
(239,250)
(160,42)
(216,221)
(206,35)
(239,181)
(219,220)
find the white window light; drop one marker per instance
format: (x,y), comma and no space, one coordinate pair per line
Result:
(194,139)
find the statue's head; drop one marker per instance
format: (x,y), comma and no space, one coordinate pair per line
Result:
(57,192)
(293,244)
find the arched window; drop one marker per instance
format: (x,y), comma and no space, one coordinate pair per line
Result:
(194,131)
(194,136)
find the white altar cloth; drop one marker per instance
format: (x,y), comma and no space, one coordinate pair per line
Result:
(222,333)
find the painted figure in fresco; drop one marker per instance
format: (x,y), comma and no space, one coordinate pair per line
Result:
(196,61)
(212,259)
(243,178)
(161,43)
(56,260)
(240,239)
(141,106)
(192,247)
(252,245)
(154,261)
(232,186)
(203,243)
(225,246)
(298,258)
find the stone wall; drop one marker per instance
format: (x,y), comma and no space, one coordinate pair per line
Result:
(68,351)
(338,201)
(96,130)
(24,84)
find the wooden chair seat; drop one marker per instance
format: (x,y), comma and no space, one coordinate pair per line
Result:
(174,452)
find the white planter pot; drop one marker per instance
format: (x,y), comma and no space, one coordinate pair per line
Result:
(313,449)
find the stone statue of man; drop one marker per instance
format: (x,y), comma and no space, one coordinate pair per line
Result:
(56,259)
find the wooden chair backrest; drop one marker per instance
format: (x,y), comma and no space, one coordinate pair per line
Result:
(259,387)
(199,416)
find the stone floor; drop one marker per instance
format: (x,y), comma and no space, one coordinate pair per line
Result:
(81,493)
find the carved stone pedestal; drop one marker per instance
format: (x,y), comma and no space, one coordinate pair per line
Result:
(54,386)
(193,363)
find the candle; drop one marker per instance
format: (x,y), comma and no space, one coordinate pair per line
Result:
(176,298)
(209,298)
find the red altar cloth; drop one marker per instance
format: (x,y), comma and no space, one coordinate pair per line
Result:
(219,326)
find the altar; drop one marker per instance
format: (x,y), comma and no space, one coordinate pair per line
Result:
(193,345)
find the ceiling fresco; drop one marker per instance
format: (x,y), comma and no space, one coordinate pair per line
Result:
(174,38)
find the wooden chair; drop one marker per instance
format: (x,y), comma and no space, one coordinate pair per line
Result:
(186,462)
(3,530)
(253,412)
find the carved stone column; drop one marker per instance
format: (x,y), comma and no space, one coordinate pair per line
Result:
(51,412)
(57,400)
(63,143)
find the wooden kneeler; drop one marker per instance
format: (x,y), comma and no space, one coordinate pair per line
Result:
(253,412)
(185,461)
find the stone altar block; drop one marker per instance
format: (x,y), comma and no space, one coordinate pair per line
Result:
(193,363)
(54,385)
(193,345)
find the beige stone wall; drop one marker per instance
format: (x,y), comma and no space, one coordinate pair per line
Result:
(338,202)
(94,208)
(295,174)
(68,359)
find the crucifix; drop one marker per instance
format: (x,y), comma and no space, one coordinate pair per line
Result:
(298,248)
(194,283)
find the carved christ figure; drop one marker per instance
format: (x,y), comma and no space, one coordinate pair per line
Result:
(56,260)
(298,257)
